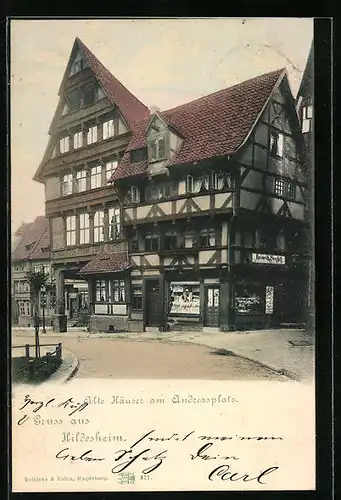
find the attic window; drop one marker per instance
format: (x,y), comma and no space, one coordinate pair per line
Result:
(78,65)
(157,148)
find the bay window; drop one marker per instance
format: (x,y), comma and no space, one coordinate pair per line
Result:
(101,291)
(64,144)
(99,226)
(108,129)
(114,223)
(84,228)
(67,182)
(208,180)
(71,230)
(96,177)
(110,168)
(78,140)
(81,181)
(92,135)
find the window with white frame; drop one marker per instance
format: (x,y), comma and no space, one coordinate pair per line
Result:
(157,148)
(84,228)
(67,184)
(276,142)
(96,177)
(117,291)
(71,230)
(78,140)
(92,135)
(99,226)
(81,180)
(110,168)
(64,144)
(101,291)
(279,187)
(134,194)
(307,114)
(27,308)
(114,223)
(108,129)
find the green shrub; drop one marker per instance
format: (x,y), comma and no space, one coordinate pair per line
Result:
(34,370)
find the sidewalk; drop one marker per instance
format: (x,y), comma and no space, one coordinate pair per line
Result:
(288,351)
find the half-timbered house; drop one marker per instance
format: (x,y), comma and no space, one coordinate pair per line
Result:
(213,197)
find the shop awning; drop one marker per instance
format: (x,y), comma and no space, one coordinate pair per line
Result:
(106,262)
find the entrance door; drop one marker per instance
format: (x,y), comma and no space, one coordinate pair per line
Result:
(152,303)
(212,306)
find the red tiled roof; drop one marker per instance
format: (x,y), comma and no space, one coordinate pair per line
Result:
(131,108)
(34,238)
(106,262)
(213,125)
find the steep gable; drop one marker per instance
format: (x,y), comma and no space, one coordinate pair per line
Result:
(34,238)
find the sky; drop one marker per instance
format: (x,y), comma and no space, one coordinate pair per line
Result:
(164,62)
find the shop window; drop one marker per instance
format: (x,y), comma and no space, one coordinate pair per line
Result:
(184,298)
(114,223)
(207,238)
(117,291)
(81,181)
(96,177)
(151,242)
(136,303)
(99,226)
(84,228)
(101,291)
(157,148)
(170,241)
(249,299)
(276,142)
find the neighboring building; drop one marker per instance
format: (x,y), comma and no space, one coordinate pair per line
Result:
(30,252)
(305,110)
(188,218)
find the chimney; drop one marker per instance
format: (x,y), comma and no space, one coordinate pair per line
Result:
(154,109)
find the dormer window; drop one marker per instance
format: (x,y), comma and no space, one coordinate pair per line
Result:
(157,148)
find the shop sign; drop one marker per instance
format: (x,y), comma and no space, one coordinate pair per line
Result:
(269,299)
(265,258)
